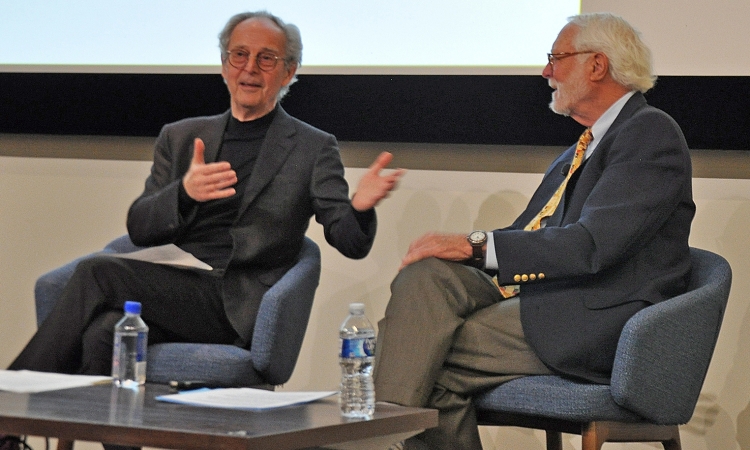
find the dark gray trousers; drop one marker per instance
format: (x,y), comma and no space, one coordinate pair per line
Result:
(178,305)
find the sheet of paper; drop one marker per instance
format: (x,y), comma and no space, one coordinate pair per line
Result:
(27,381)
(170,255)
(243,398)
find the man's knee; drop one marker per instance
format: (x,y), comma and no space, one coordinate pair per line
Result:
(434,281)
(102,277)
(97,265)
(425,271)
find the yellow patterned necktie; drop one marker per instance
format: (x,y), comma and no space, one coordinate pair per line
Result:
(509,291)
(549,208)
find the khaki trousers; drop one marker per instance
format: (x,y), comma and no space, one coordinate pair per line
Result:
(447,335)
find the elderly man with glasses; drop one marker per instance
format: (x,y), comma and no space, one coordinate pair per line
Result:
(237,191)
(604,235)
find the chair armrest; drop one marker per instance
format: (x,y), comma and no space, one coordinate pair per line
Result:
(122,244)
(664,350)
(283,316)
(49,286)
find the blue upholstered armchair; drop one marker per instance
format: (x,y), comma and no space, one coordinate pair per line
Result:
(279,330)
(660,365)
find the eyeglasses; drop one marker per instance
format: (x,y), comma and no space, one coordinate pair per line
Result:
(552,57)
(266,61)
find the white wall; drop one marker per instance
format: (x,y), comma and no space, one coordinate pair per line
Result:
(56,209)
(692,37)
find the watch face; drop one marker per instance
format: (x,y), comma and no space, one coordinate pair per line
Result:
(477,236)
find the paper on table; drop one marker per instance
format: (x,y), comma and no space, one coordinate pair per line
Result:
(169,254)
(243,398)
(27,381)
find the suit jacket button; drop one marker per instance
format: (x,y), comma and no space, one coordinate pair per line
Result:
(532,277)
(525,278)
(541,276)
(517,278)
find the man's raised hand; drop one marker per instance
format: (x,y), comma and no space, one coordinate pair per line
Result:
(375,186)
(204,182)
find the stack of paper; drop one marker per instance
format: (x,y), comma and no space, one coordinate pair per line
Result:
(169,255)
(243,398)
(29,381)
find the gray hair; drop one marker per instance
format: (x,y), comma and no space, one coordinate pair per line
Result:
(629,58)
(293,50)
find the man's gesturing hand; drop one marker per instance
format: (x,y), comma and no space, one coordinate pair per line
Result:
(211,181)
(375,186)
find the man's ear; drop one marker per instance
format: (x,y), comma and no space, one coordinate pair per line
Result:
(224,70)
(290,74)
(599,67)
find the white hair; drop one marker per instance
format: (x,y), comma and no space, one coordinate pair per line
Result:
(629,58)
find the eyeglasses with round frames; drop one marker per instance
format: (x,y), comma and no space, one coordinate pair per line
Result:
(266,61)
(552,57)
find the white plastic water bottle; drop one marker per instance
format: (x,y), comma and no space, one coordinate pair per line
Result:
(357,397)
(129,352)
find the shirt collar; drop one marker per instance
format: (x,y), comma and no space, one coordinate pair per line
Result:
(600,127)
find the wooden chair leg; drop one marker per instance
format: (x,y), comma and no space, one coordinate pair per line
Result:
(63,444)
(674,442)
(593,436)
(554,440)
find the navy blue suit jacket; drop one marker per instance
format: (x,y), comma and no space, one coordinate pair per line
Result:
(616,245)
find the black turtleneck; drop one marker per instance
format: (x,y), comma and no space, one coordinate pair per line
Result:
(208,237)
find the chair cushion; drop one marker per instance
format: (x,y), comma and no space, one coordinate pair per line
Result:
(555,397)
(216,364)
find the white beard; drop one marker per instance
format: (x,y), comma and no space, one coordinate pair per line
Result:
(568,95)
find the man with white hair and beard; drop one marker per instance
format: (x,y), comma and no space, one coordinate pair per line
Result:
(604,235)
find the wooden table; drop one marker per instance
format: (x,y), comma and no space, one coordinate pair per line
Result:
(133,417)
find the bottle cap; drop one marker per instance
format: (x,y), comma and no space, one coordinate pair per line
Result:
(356,308)
(132,307)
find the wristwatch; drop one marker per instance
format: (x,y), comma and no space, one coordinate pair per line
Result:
(477,239)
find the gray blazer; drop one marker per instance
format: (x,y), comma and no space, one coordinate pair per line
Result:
(617,244)
(298,174)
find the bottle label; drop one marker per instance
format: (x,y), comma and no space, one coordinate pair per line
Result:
(357,348)
(141,344)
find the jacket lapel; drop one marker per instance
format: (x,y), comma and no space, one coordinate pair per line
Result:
(275,150)
(636,102)
(212,137)
(551,181)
